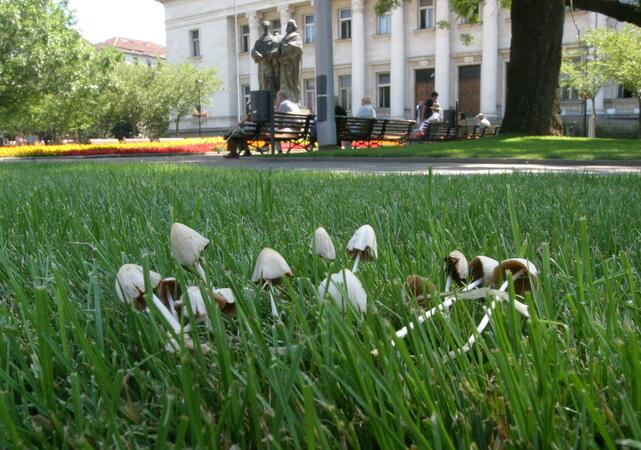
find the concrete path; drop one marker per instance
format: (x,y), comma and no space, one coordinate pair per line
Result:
(364,165)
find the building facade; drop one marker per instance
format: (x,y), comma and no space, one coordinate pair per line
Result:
(135,50)
(397,59)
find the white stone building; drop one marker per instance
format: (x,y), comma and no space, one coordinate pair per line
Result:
(397,59)
(135,50)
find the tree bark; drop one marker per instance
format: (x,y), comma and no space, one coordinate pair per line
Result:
(533,102)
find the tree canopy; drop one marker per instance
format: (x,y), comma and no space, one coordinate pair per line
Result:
(53,82)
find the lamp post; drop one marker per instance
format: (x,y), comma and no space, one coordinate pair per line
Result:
(326,122)
(199,109)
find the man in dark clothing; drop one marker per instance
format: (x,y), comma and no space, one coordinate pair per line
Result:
(427,109)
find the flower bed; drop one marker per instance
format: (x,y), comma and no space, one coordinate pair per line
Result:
(179,146)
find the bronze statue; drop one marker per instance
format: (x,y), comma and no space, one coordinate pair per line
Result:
(290,54)
(265,54)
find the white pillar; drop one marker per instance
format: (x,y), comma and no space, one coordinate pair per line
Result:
(285,16)
(254,35)
(490,64)
(397,62)
(442,55)
(358,53)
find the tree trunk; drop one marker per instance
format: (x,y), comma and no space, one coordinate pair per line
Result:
(177,126)
(592,130)
(533,102)
(639,100)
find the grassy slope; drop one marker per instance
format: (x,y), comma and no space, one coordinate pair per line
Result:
(79,368)
(508,147)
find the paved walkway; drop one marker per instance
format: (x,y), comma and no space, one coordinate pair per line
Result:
(365,165)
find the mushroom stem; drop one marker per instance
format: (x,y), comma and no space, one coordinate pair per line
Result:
(356,261)
(448,282)
(272,302)
(171,320)
(172,305)
(486,318)
(201,272)
(447,303)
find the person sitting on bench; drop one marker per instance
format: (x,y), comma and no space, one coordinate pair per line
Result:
(436,117)
(237,139)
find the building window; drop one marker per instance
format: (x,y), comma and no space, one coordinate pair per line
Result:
(345,91)
(384,24)
(622,92)
(425,14)
(275,24)
(195,43)
(244,38)
(383,90)
(569,93)
(310,93)
(245,97)
(310,29)
(345,24)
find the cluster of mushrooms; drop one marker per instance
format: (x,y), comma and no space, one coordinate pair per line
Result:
(344,288)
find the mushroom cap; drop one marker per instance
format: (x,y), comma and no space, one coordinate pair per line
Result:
(456,266)
(343,281)
(416,285)
(196,300)
(186,244)
(166,287)
(363,241)
(130,284)
(514,265)
(482,267)
(323,245)
(226,301)
(270,266)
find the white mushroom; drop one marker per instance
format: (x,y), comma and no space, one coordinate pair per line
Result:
(187,245)
(482,268)
(226,300)
(524,273)
(323,245)
(456,268)
(362,245)
(167,290)
(130,288)
(270,267)
(344,287)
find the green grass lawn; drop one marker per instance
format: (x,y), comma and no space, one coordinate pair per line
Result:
(507,147)
(79,369)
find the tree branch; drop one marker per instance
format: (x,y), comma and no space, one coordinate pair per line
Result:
(617,9)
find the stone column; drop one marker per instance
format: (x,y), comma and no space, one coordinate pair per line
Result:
(358,53)
(442,73)
(254,33)
(285,12)
(490,64)
(397,63)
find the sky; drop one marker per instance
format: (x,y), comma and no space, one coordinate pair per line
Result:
(100,20)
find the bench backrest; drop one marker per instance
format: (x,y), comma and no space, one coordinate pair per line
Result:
(355,128)
(287,126)
(438,131)
(396,129)
(467,131)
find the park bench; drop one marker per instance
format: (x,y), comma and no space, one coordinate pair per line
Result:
(364,132)
(288,128)
(392,131)
(357,130)
(136,140)
(492,130)
(466,132)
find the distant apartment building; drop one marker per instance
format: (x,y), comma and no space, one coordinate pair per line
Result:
(135,50)
(397,58)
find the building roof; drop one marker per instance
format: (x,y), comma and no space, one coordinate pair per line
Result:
(134,47)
